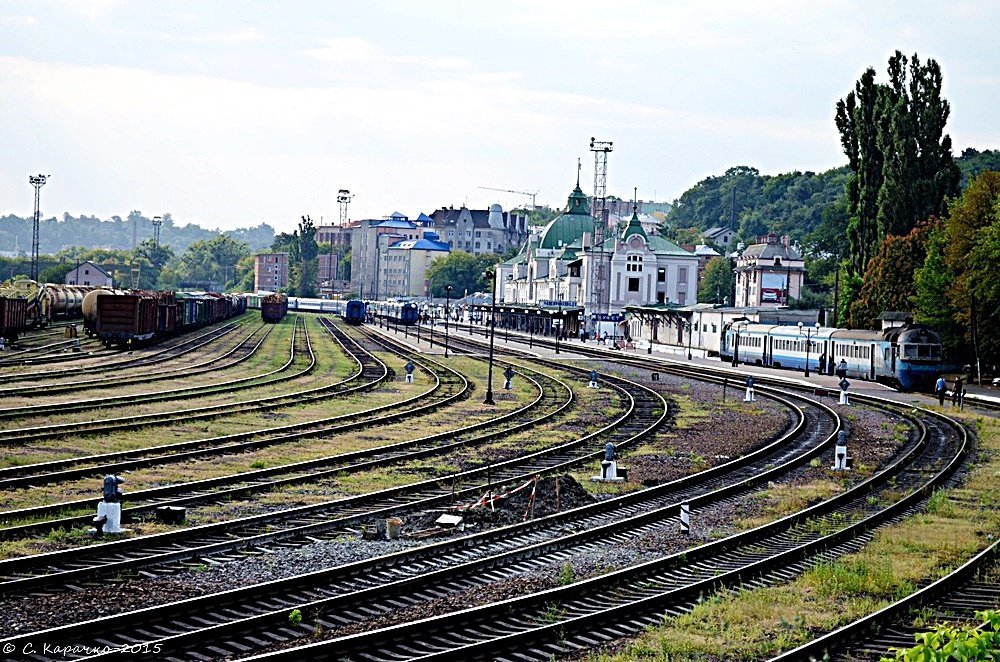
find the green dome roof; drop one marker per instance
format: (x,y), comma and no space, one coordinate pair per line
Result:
(569,226)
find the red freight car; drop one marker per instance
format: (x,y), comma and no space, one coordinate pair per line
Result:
(12,318)
(273,308)
(126,318)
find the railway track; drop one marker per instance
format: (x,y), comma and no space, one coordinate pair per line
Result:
(20,436)
(240,620)
(245,619)
(242,351)
(302,524)
(974,586)
(91,404)
(577,617)
(172,351)
(233,637)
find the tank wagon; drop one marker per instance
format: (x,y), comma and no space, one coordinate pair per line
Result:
(908,356)
(354,312)
(46,302)
(273,308)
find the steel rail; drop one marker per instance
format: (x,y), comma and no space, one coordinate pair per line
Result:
(626,600)
(434,565)
(118,380)
(87,404)
(160,355)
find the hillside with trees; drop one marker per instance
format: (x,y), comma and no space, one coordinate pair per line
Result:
(115,233)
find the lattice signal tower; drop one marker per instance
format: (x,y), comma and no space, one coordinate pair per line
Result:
(599,299)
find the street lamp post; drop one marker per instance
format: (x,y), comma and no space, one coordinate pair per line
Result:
(430,318)
(447,310)
(531,328)
(489,276)
(689,327)
(505,314)
(652,332)
(809,333)
(558,328)
(736,344)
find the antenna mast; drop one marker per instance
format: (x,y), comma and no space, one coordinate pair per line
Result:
(599,299)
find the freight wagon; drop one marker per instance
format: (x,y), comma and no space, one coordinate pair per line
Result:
(273,308)
(137,317)
(12,318)
(126,318)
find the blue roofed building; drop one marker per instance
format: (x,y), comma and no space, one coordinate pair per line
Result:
(404,265)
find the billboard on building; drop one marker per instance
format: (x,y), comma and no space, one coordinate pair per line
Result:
(773,288)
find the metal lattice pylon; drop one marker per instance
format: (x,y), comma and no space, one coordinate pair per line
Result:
(38,181)
(599,292)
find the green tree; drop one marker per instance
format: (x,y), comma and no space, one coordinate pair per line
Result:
(716,282)
(933,282)
(856,121)
(463,271)
(955,642)
(901,161)
(56,273)
(155,254)
(971,232)
(206,260)
(888,282)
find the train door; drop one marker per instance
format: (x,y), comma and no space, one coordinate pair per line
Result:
(871,369)
(768,349)
(828,366)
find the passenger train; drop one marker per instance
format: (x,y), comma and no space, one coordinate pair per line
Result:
(908,356)
(355,312)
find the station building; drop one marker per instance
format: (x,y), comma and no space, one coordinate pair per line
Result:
(547,287)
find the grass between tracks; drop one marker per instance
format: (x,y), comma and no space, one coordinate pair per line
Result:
(753,624)
(462,413)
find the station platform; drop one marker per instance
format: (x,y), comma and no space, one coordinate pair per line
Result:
(667,354)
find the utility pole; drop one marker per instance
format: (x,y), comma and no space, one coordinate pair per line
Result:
(599,300)
(38,181)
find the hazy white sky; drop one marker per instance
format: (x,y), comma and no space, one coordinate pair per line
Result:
(232,113)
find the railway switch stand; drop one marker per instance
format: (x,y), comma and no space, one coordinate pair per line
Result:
(609,466)
(840,460)
(750,397)
(109,509)
(844,384)
(409,371)
(593,379)
(508,376)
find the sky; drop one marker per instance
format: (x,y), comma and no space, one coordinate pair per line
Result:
(232,113)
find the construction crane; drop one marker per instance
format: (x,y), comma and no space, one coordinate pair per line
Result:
(532,194)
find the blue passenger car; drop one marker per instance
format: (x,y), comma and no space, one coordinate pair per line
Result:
(908,356)
(354,312)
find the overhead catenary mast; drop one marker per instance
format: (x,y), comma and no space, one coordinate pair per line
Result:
(599,294)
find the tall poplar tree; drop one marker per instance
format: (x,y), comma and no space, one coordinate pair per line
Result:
(900,157)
